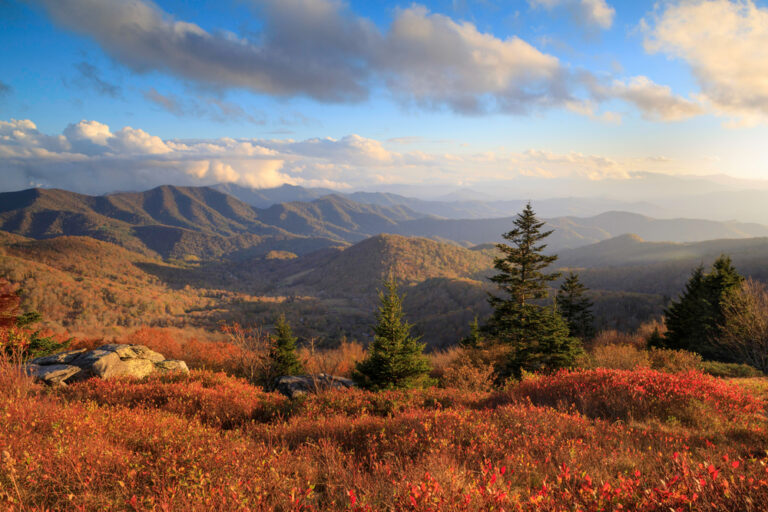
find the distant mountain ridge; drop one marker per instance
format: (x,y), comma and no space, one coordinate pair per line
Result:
(462,204)
(201,222)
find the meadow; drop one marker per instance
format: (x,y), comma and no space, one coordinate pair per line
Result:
(581,440)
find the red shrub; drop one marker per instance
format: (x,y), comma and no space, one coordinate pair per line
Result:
(690,397)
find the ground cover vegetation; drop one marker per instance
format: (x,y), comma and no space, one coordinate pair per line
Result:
(533,410)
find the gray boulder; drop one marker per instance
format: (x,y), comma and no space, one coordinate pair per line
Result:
(52,374)
(298,385)
(105,362)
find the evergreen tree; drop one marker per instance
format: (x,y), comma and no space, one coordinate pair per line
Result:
(395,358)
(16,335)
(694,320)
(536,332)
(576,308)
(283,358)
(475,338)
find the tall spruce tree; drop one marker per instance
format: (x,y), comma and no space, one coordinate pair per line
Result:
(395,358)
(576,308)
(536,332)
(283,358)
(694,320)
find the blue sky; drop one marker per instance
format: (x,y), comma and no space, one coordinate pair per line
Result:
(352,94)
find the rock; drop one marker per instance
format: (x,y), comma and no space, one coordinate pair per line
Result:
(133,352)
(172,365)
(52,374)
(106,362)
(298,385)
(62,358)
(138,368)
(96,363)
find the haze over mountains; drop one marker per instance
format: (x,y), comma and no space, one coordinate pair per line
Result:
(207,223)
(714,197)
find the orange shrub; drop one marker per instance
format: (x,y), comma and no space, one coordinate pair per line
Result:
(614,337)
(157,339)
(339,361)
(693,398)
(673,361)
(616,357)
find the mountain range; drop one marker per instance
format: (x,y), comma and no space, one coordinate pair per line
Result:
(206,223)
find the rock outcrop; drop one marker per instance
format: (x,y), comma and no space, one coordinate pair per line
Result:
(105,362)
(297,385)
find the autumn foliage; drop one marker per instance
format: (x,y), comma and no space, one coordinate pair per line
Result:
(587,440)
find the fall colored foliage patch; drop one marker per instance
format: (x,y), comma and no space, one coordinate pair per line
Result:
(213,442)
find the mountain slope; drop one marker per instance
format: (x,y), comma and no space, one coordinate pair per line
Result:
(335,216)
(169,221)
(199,221)
(361,267)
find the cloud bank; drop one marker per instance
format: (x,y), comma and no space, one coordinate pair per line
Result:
(90,157)
(320,49)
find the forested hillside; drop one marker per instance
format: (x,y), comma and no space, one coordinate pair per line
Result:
(204,223)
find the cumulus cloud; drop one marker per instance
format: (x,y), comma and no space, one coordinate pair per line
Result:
(435,61)
(589,13)
(307,47)
(655,102)
(89,156)
(320,49)
(726,45)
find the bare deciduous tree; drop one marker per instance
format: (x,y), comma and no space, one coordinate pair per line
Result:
(745,328)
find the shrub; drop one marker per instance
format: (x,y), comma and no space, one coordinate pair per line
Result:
(691,398)
(253,349)
(340,360)
(616,357)
(467,374)
(614,337)
(673,361)
(158,339)
(213,398)
(730,370)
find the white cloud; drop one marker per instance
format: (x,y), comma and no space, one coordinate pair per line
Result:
(726,45)
(571,165)
(435,61)
(90,157)
(656,102)
(590,13)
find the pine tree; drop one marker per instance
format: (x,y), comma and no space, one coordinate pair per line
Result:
(283,358)
(576,308)
(475,338)
(395,359)
(536,332)
(694,320)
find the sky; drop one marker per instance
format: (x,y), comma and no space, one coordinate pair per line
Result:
(106,95)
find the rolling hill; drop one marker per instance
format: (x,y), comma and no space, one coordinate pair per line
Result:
(200,222)
(359,269)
